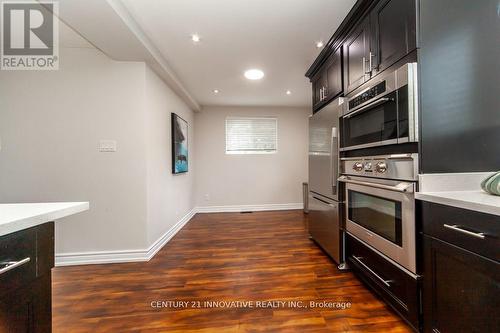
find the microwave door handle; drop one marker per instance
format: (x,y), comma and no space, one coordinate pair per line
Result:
(401,187)
(377,102)
(333,159)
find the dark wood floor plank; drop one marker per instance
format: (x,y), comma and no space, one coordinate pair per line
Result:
(221,257)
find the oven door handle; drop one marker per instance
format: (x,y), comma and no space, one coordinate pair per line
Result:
(376,103)
(404,187)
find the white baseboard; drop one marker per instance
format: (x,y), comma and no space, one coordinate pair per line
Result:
(166,237)
(110,257)
(245,208)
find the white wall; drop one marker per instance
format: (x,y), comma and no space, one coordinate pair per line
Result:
(50,127)
(170,196)
(233,180)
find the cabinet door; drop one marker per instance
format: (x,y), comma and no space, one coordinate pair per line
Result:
(393,32)
(16,310)
(356,53)
(461,290)
(334,74)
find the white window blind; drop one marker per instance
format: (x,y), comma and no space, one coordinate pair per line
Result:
(251,135)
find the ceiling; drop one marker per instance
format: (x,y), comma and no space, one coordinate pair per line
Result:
(277,36)
(68,38)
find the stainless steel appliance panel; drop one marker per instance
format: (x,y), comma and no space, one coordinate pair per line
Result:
(380,204)
(324,150)
(385,219)
(384,113)
(324,224)
(395,166)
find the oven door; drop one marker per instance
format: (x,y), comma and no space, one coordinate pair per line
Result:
(372,125)
(382,214)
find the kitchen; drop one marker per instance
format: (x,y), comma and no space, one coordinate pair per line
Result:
(195,220)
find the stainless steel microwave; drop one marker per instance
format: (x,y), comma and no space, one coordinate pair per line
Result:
(384,113)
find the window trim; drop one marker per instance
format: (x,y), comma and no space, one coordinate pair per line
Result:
(250,152)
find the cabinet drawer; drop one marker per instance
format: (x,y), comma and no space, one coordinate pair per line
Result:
(395,286)
(17,259)
(470,230)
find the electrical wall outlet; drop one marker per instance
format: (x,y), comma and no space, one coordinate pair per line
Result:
(207,197)
(107,146)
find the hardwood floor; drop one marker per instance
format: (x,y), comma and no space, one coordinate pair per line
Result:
(221,257)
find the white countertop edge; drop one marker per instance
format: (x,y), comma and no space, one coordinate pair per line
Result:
(444,198)
(51,214)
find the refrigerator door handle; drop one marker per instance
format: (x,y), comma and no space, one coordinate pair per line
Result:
(334,160)
(323,201)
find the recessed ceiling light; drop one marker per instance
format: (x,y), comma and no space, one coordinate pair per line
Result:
(319,44)
(195,38)
(288,92)
(254,74)
(216,91)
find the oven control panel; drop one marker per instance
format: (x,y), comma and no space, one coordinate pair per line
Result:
(396,166)
(367,95)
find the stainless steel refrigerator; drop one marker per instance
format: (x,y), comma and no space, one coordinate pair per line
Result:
(325,202)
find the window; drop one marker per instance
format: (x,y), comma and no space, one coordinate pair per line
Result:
(251,135)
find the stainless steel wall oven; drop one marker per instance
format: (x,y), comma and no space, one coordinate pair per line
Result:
(380,205)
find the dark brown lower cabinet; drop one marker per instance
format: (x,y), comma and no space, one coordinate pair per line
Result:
(398,289)
(27,309)
(461,269)
(25,291)
(461,290)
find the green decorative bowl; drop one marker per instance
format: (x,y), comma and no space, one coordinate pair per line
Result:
(492,184)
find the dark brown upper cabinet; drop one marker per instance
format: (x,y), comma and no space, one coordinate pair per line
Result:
(356,56)
(327,83)
(334,74)
(393,33)
(376,35)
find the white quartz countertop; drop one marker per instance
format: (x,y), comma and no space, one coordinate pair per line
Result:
(474,200)
(15,217)
(460,190)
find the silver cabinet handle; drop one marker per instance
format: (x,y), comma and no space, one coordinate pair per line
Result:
(370,68)
(10,265)
(325,92)
(455,227)
(369,71)
(386,282)
(401,187)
